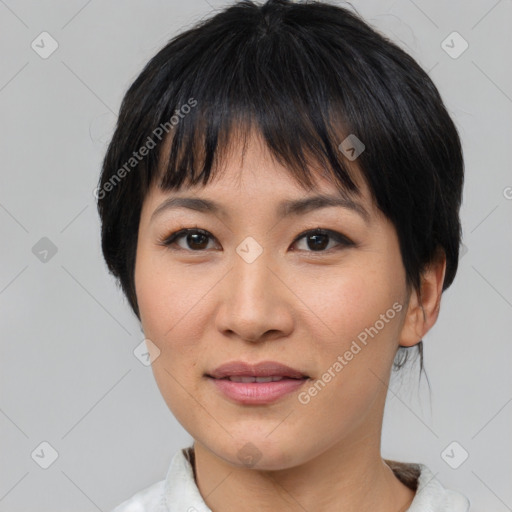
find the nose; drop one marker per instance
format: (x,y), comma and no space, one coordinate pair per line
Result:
(256,304)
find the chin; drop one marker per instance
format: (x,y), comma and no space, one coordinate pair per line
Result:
(261,453)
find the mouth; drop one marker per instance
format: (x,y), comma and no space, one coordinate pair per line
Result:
(258,384)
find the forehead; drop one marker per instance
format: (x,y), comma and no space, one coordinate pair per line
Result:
(245,164)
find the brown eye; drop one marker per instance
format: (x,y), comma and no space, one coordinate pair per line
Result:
(195,239)
(318,239)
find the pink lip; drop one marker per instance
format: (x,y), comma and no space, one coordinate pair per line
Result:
(261,369)
(256,393)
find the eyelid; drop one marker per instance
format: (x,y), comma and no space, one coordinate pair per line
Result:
(336,235)
(180,232)
(340,238)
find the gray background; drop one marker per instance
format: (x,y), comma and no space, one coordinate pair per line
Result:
(68,374)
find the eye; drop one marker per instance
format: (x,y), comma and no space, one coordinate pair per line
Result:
(318,239)
(196,239)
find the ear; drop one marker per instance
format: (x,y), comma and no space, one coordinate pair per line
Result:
(423,307)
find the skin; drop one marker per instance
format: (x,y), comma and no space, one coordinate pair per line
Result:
(295,305)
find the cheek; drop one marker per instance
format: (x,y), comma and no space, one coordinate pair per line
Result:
(166,299)
(343,304)
(357,318)
(174,303)
(153,296)
(169,307)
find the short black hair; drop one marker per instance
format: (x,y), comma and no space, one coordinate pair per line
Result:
(306,76)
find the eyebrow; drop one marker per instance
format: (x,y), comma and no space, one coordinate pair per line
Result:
(287,208)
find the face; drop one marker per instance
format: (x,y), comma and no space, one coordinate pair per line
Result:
(256,284)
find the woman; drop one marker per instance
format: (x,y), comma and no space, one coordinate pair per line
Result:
(280,203)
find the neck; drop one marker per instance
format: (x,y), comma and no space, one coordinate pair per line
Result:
(349,476)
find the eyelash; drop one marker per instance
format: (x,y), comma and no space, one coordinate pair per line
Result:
(342,240)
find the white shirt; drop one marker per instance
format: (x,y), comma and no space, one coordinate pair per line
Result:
(179,492)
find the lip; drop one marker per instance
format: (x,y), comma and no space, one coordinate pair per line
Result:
(261,369)
(256,393)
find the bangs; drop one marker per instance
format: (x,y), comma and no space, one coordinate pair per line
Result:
(199,152)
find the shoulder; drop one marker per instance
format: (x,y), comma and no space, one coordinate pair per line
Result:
(177,488)
(431,495)
(149,499)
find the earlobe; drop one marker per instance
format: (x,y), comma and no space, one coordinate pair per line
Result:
(423,308)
